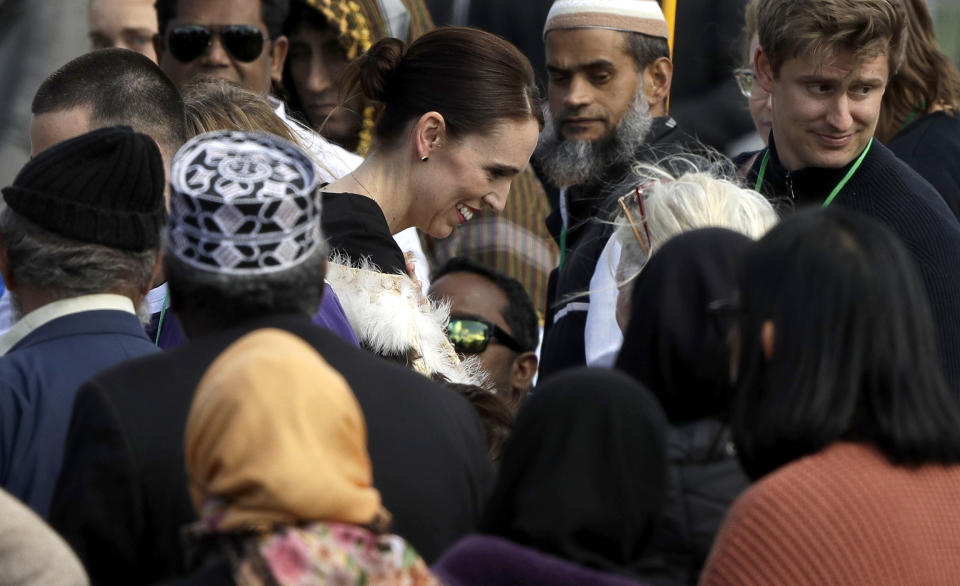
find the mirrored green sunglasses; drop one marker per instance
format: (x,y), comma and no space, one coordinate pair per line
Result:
(471,336)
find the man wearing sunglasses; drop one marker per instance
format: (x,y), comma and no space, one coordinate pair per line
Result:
(240,41)
(491,316)
(236,40)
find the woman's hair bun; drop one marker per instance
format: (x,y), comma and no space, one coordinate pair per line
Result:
(379,66)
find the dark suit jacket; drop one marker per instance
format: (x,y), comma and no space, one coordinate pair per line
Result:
(122,498)
(38,380)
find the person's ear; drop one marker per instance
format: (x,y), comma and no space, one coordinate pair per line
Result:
(763,70)
(278,56)
(767,339)
(6,273)
(430,134)
(657,78)
(521,376)
(159,47)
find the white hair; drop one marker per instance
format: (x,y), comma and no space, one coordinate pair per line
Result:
(682,200)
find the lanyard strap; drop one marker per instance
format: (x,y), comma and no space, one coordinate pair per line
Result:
(163,314)
(836,190)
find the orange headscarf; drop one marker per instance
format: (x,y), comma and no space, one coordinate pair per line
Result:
(276,436)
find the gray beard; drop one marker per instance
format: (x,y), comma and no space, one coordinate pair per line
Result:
(582,162)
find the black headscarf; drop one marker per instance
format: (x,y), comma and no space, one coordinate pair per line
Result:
(583,475)
(673,344)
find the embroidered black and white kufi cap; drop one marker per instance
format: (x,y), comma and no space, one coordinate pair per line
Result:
(243,203)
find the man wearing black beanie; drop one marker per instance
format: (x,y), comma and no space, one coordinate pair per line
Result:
(79,240)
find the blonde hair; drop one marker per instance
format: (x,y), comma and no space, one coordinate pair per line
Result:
(683,200)
(216,104)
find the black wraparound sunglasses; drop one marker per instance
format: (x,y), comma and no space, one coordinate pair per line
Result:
(471,335)
(189,41)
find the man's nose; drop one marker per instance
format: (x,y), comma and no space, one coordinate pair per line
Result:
(319,79)
(216,55)
(579,93)
(839,116)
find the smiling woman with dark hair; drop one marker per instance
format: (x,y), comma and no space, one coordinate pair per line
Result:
(843,413)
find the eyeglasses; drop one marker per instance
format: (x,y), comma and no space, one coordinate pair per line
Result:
(623,202)
(471,336)
(746,79)
(187,42)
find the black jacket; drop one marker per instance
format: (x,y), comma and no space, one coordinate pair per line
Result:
(704,478)
(122,498)
(354,225)
(931,146)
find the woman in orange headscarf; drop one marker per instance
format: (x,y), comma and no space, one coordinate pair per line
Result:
(279,472)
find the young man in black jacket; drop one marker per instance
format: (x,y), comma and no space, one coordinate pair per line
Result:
(826,64)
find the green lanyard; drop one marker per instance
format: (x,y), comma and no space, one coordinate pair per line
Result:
(163,314)
(836,190)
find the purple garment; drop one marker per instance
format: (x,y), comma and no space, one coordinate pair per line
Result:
(485,559)
(171,334)
(330,316)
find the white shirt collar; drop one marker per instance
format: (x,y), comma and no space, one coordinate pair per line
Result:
(61,308)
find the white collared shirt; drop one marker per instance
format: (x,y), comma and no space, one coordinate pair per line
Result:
(332,161)
(61,308)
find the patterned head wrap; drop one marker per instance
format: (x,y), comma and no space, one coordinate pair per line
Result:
(243,203)
(361,23)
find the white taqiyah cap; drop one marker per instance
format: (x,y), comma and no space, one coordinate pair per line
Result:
(632,16)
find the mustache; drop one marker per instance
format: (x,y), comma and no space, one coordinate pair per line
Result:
(567,116)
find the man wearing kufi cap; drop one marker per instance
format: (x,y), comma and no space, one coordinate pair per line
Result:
(609,74)
(79,239)
(244,251)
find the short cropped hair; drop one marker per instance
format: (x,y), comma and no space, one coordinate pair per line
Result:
(646,49)
(868,28)
(273,13)
(66,268)
(227,300)
(520,314)
(121,87)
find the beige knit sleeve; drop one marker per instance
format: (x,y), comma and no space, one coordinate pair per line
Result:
(31,553)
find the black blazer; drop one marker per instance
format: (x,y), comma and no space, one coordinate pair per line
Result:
(122,497)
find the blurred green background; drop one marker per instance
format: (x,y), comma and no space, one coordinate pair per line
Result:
(946,21)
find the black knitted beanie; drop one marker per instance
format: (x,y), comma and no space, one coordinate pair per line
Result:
(103,187)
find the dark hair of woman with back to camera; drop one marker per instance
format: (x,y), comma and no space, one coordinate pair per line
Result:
(854,355)
(841,414)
